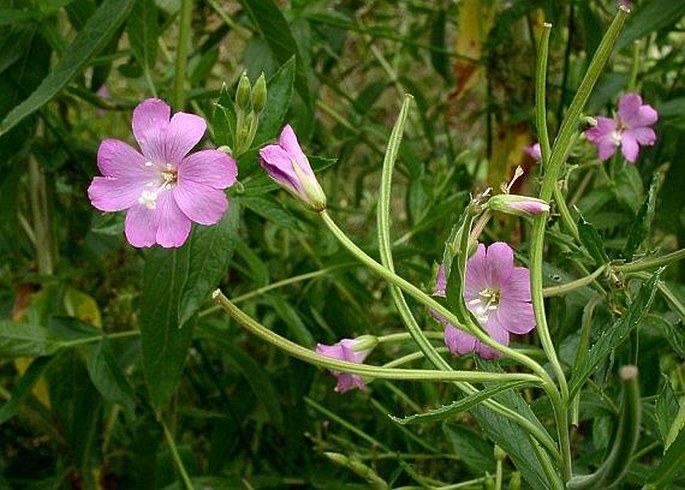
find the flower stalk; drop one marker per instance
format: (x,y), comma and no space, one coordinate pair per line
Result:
(323,361)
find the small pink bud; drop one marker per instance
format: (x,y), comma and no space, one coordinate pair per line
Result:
(517,205)
(287,164)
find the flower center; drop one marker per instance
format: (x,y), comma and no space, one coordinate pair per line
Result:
(486,302)
(167,179)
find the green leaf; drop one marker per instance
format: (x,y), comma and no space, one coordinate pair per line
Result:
(475,452)
(278,95)
(652,16)
(268,18)
(89,41)
(210,251)
(108,378)
(143,32)
(458,406)
(271,210)
(164,344)
(615,334)
(259,381)
(592,241)
(22,339)
(224,119)
(514,441)
(23,388)
(508,435)
(643,222)
(292,319)
(665,409)
(673,464)
(629,190)
(15,16)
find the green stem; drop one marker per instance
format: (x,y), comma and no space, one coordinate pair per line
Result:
(650,263)
(276,285)
(182,54)
(312,357)
(385,247)
(583,348)
(176,457)
(558,154)
(41,222)
(540,102)
(570,286)
(352,428)
(99,338)
(402,336)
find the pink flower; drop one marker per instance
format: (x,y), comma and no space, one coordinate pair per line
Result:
(498,295)
(289,167)
(518,205)
(534,152)
(629,129)
(163,188)
(351,350)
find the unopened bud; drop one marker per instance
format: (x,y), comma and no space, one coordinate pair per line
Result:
(587,122)
(515,481)
(500,454)
(243,92)
(259,94)
(517,205)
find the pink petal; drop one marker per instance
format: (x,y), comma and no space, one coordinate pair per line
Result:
(513,316)
(200,203)
(477,277)
(348,381)
(458,341)
(647,116)
(150,122)
(644,136)
(606,147)
(140,226)
(440,283)
(173,226)
(109,194)
(500,262)
(349,353)
(333,351)
(288,141)
(278,165)
(629,108)
(183,133)
(533,151)
(517,285)
(117,159)
(212,168)
(498,333)
(629,147)
(604,128)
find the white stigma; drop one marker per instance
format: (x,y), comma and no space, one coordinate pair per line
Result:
(616,136)
(486,302)
(148,199)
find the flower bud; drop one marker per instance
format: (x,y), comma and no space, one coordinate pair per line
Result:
(259,94)
(350,350)
(517,205)
(243,92)
(289,167)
